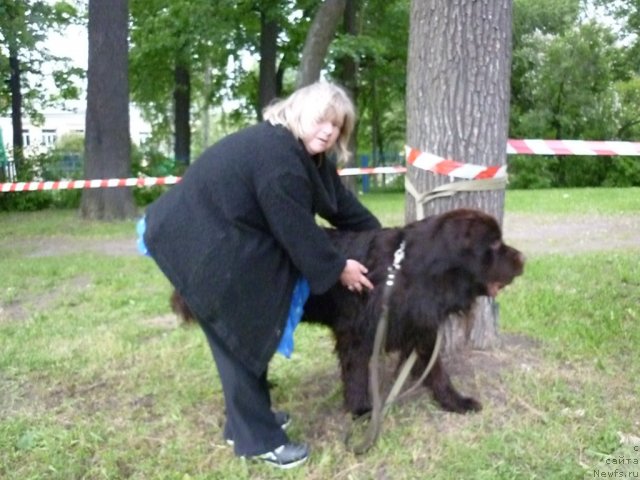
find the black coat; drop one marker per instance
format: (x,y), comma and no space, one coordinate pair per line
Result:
(239,229)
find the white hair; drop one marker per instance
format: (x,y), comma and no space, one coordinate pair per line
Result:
(304,108)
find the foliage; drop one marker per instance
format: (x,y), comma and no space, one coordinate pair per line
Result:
(24,26)
(217,42)
(149,162)
(380,53)
(571,79)
(63,162)
(165,35)
(572,171)
(66,162)
(627,15)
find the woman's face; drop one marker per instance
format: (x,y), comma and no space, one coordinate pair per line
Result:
(321,136)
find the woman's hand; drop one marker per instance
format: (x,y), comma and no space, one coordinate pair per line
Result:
(354,276)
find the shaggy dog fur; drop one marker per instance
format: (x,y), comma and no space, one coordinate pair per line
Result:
(450,260)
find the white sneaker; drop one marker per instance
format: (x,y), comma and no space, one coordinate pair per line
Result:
(283,419)
(286,456)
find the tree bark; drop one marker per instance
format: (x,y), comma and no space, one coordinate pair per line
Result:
(267,89)
(349,79)
(458,108)
(107,138)
(16,108)
(181,106)
(323,28)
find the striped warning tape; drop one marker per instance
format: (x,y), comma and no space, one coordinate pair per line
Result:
(371,170)
(443,166)
(423,160)
(81,184)
(151,181)
(572,147)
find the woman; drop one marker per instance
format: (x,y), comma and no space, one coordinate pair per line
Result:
(238,233)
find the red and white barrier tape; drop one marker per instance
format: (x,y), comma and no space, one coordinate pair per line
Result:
(371,170)
(443,166)
(80,184)
(151,181)
(414,157)
(572,147)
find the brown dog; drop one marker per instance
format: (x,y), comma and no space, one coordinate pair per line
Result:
(449,261)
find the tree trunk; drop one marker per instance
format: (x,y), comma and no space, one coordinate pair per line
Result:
(349,79)
(16,108)
(107,139)
(458,108)
(181,120)
(323,28)
(267,89)
(349,73)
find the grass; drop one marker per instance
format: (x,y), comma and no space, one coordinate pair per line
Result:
(583,201)
(96,380)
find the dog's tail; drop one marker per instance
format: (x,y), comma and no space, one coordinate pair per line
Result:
(181,309)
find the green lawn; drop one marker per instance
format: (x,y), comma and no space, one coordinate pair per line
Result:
(98,382)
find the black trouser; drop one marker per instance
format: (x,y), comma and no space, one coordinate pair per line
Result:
(251,423)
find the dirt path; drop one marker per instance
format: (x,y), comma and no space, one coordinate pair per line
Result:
(533,234)
(537,234)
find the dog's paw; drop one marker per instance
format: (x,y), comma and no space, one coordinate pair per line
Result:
(360,412)
(469,404)
(460,404)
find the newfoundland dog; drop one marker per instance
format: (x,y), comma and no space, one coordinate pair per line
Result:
(449,261)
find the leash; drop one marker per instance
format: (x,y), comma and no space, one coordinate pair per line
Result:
(378,408)
(450,189)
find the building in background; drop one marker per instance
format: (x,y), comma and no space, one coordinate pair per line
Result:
(59,122)
(62,121)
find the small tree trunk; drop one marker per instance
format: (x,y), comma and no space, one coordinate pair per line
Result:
(16,108)
(458,108)
(349,78)
(181,105)
(268,52)
(323,28)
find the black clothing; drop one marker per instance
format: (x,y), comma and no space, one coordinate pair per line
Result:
(251,422)
(239,229)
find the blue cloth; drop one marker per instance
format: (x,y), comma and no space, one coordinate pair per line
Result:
(298,298)
(141,226)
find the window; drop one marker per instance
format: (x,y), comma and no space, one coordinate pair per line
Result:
(26,138)
(49,137)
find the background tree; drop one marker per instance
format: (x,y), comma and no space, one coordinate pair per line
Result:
(458,107)
(186,45)
(107,140)
(321,33)
(24,26)
(377,50)
(271,33)
(268,85)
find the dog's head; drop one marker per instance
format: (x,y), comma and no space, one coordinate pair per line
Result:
(464,249)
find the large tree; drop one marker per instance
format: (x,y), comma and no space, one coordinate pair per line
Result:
(107,139)
(458,108)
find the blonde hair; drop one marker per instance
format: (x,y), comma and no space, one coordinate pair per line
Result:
(311,104)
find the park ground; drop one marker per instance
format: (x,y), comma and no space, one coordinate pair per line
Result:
(553,408)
